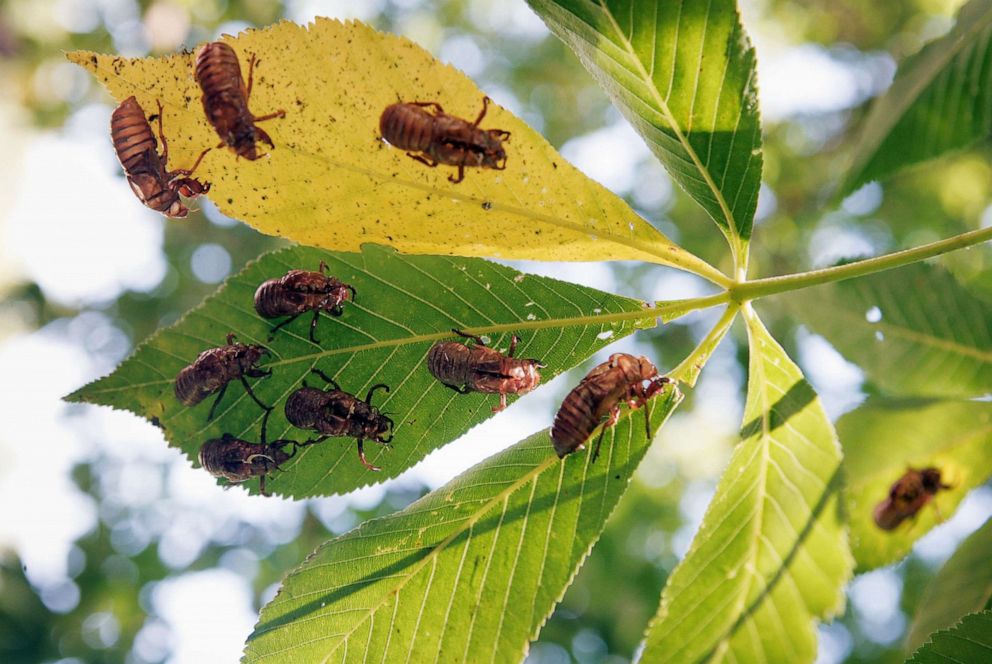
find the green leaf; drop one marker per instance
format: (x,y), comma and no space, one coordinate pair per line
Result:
(914,331)
(683,74)
(771,554)
(941,100)
(968,642)
(963,585)
(469,572)
(331,181)
(405,304)
(884,437)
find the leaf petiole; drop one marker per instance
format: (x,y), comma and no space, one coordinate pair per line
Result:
(688,369)
(752,290)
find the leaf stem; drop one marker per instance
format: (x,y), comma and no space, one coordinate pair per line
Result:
(752,290)
(688,369)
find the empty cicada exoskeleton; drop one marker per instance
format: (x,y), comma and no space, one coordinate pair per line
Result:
(334,412)
(147,170)
(225,99)
(907,496)
(443,139)
(482,369)
(238,460)
(621,378)
(214,368)
(300,291)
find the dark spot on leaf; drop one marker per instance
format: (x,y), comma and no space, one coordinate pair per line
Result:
(487,205)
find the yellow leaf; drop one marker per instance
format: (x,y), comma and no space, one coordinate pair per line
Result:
(332,182)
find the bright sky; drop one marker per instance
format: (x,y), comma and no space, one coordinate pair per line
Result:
(91,239)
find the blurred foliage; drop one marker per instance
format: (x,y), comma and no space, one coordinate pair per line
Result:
(605,611)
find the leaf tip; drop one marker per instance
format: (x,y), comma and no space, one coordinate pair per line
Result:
(85,59)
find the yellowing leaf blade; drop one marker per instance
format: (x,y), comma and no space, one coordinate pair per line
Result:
(331,181)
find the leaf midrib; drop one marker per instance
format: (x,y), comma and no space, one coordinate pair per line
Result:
(496,328)
(762,489)
(683,140)
(930,340)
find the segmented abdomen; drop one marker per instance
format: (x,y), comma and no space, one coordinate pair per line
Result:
(450,363)
(218,71)
(272,300)
(407,126)
(132,136)
(305,407)
(191,389)
(576,419)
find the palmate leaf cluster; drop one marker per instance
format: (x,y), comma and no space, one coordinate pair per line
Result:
(478,565)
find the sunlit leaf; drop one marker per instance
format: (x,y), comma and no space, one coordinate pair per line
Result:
(683,74)
(405,304)
(968,642)
(331,182)
(963,585)
(914,331)
(941,100)
(469,572)
(882,438)
(771,555)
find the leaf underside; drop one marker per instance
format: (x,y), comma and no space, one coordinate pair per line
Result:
(684,75)
(941,100)
(468,573)
(405,304)
(771,554)
(963,585)
(883,438)
(914,331)
(968,642)
(331,181)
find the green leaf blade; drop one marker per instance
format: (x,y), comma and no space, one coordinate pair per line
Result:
(405,304)
(469,572)
(968,642)
(684,75)
(771,554)
(914,331)
(963,585)
(941,100)
(884,437)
